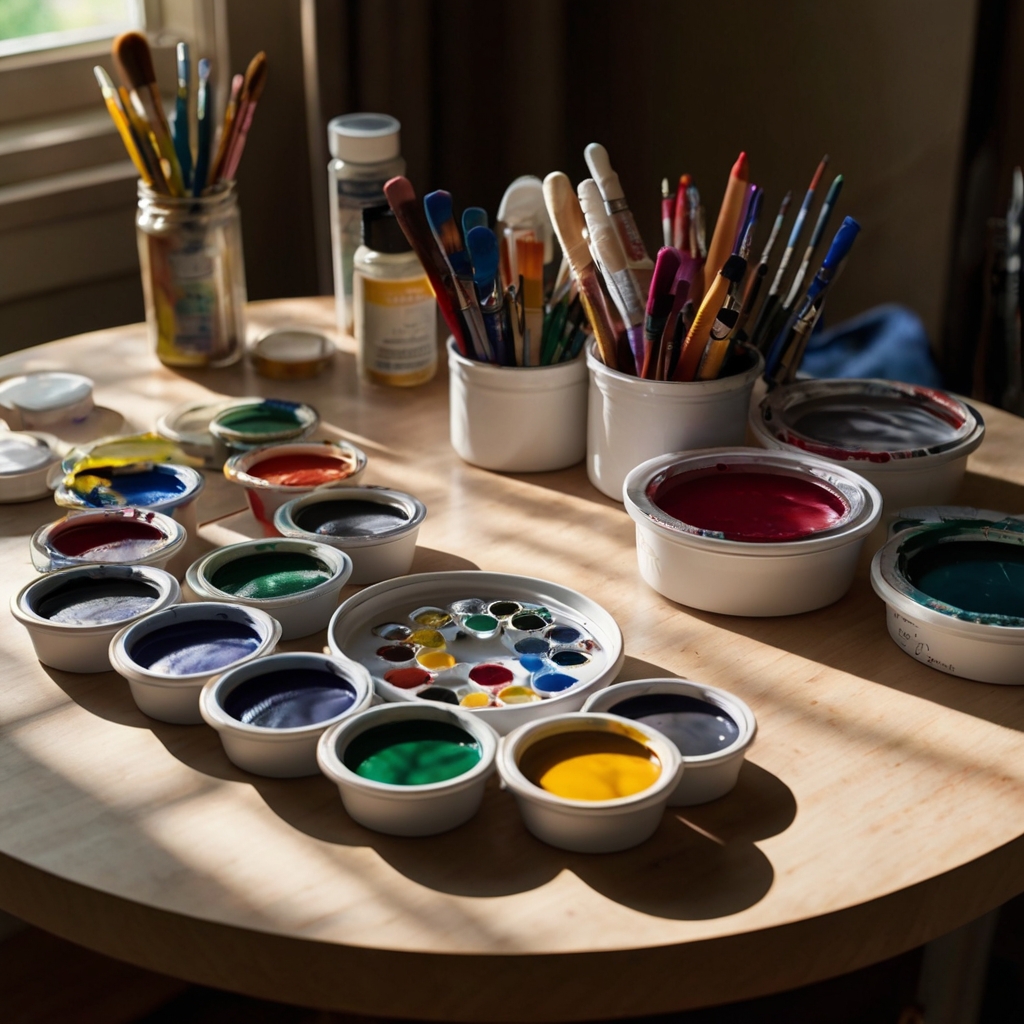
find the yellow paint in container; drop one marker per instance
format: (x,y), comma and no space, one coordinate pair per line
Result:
(590,765)
(435,660)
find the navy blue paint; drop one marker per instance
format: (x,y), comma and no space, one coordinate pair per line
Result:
(289,698)
(355,518)
(91,601)
(194,645)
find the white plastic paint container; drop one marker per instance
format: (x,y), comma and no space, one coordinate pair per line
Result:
(169,656)
(631,420)
(589,826)
(375,526)
(266,496)
(113,536)
(911,442)
(45,400)
(711,728)
(706,569)
(27,463)
(407,808)
(517,419)
(72,615)
(295,581)
(271,712)
(930,555)
(508,648)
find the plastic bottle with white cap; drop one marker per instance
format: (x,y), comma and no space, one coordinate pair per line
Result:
(367,153)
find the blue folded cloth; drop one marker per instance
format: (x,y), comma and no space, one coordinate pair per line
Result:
(887,342)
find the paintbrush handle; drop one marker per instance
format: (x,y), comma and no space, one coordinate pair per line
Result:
(700,329)
(149,100)
(593,302)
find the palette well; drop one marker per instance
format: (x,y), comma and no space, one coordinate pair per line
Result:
(507,648)
(72,615)
(254,422)
(375,526)
(953,582)
(911,442)
(118,536)
(410,769)
(590,782)
(169,656)
(296,581)
(26,463)
(711,728)
(271,712)
(742,531)
(276,474)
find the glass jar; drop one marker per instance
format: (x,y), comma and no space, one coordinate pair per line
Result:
(193,276)
(366,154)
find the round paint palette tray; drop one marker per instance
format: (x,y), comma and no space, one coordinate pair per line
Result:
(507,647)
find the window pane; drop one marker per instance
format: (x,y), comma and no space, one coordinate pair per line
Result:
(43,24)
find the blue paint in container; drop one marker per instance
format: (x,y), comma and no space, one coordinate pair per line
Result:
(195,645)
(290,698)
(95,601)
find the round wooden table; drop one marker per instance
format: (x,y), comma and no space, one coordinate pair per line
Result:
(882,804)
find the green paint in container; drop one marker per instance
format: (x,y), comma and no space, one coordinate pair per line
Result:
(413,752)
(260,418)
(270,574)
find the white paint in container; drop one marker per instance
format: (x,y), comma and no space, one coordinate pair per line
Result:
(768,563)
(295,581)
(910,441)
(631,420)
(952,580)
(271,712)
(170,655)
(517,419)
(408,808)
(266,496)
(711,728)
(72,615)
(588,825)
(375,526)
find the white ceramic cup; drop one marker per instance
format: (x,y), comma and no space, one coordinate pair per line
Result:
(631,420)
(174,698)
(423,810)
(517,419)
(279,753)
(705,777)
(300,614)
(589,826)
(74,647)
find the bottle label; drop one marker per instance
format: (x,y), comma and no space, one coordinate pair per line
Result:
(395,325)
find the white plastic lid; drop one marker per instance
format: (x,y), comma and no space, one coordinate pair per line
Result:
(46,398)
(23,453)
(364,138)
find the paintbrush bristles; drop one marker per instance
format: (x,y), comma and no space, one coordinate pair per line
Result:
(134,60)
(255,77)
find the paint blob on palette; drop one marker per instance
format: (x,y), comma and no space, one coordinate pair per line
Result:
(481,652)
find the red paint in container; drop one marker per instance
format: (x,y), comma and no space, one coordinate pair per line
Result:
(108,540)
(407,678)
(302,470)
(491,676)
(750,505)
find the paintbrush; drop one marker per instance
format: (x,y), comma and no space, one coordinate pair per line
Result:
(440,216)
(819,229)
(182,140)
(570,227)
(748,225)
(482,244)
(707,316)
(606,248)
(134,62)
(204,127)
(816,292)
(227,128)
(681,215)
(622,217)
(143,136)
(659,306)
(401,198)
(252,88)
(728,218)
(756,279)
(721,337)
(674,333)
(124,127)
(473,217)
(522,214)
(666,213)
(530,260)
(767,319)
(741,225)
(516,323)
(1011,300)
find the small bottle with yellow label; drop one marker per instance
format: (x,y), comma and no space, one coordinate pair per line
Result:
(395,312)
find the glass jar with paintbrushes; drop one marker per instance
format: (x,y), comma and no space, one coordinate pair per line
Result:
(187,224)
(518,379)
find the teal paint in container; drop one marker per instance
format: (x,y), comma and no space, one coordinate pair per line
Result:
(953,581)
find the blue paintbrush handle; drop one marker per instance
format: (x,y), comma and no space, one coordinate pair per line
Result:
(182,142)
(204,132)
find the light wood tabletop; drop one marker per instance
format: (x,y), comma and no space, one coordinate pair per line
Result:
(882,804)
